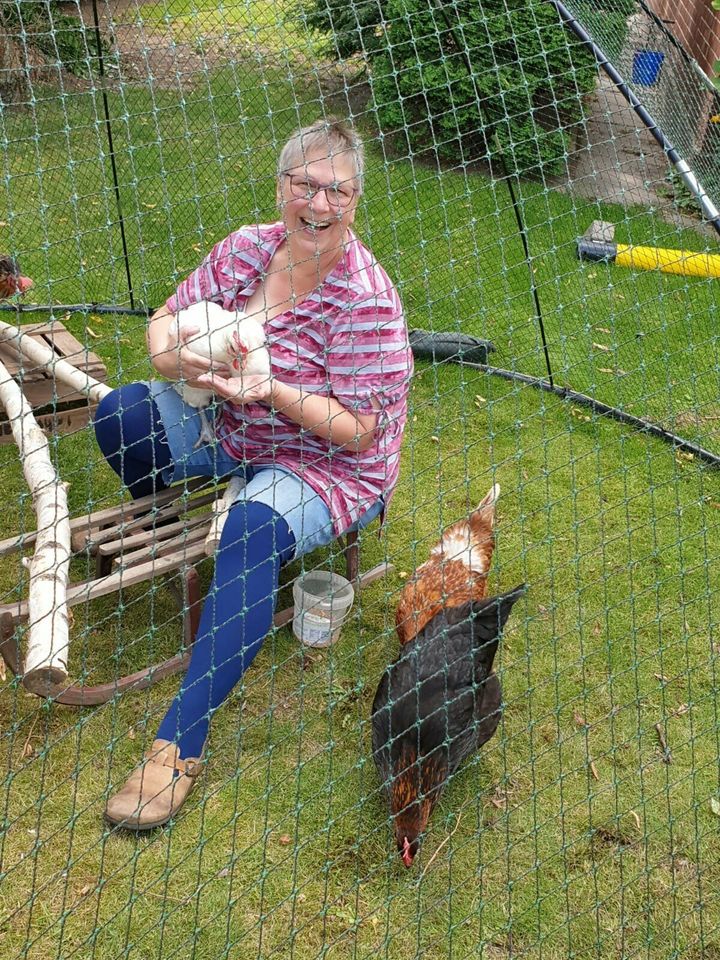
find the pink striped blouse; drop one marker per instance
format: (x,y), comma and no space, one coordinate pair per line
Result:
(348,339)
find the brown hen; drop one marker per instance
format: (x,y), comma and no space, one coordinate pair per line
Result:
(455,573)
(11,280)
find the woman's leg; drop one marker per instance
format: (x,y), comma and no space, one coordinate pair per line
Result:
(236,618)
(132,438)
(278,516)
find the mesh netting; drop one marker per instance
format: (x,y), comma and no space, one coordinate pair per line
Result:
(134,137)
(649,53)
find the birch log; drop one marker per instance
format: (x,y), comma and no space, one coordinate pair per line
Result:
(221,508)
(48,638)
(44,356)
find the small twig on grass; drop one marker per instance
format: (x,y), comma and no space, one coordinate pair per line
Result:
(165,896)
(23,753)
(667,756)
(447,838)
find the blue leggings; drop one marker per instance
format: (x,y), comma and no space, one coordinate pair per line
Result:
(238,612)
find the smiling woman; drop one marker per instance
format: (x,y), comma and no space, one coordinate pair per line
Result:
(317,441)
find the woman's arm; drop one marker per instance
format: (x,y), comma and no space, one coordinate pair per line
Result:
(163,359)
(324,416)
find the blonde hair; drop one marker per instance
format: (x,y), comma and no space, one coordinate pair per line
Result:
(330,135)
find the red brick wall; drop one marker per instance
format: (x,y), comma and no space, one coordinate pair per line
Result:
(696,24)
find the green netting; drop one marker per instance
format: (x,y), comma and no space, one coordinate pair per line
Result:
(133,137)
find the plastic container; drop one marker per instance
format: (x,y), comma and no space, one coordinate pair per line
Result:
(322,602)
(646,67)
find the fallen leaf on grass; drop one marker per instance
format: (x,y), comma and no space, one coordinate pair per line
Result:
(593,770)
(604,329)
(636,818)
(601,346)
(284,839)
(91,333)
(580,721)
(715,806)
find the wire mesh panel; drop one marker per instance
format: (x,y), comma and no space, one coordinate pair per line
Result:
(446,775)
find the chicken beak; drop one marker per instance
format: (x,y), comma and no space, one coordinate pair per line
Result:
(407,854)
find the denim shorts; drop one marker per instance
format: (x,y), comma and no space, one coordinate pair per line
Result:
(278,487)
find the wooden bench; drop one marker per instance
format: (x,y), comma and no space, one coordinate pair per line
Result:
(58,407)
(137,542)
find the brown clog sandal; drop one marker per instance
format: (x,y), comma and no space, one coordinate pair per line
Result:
(153,794)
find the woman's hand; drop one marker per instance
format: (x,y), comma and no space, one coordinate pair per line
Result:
(250,388)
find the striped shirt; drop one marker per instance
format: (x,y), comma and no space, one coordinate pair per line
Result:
(348,339)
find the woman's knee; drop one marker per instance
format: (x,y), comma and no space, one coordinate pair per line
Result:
(132,438)
(258,529)
(126,418)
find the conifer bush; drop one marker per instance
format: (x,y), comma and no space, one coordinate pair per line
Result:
(470,79)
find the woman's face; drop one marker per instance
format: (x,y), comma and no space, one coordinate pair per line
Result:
(318,220)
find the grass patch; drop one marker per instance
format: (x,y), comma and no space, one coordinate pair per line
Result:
(569,833)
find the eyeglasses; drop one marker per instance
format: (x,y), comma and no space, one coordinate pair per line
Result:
(336,194)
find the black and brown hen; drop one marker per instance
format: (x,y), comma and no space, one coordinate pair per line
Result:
(435,705)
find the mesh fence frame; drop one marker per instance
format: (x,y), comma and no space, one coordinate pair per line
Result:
(588,824)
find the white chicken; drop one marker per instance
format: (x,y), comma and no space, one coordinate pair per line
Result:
(224,337)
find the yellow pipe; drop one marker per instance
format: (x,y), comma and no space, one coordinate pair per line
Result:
(684,262)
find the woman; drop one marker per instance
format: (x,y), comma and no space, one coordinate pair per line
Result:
(318,441)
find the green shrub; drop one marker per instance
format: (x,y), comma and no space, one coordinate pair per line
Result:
(42,24)
(488,76)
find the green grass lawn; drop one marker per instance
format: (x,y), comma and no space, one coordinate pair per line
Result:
(569,835)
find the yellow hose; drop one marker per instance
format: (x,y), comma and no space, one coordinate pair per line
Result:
(684,262)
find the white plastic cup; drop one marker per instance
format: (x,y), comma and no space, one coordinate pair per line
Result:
(322,602)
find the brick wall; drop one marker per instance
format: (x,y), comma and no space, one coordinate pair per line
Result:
(696,24)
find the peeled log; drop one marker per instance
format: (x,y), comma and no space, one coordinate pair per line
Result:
(48,635)
(45,357)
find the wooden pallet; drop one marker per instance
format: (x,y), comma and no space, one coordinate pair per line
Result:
(138,542)
(57,407)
